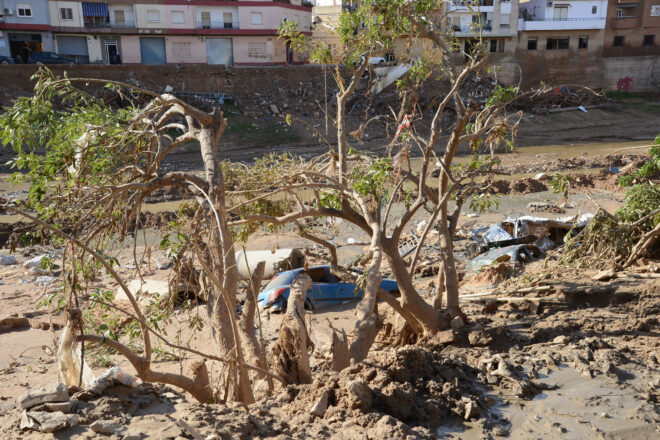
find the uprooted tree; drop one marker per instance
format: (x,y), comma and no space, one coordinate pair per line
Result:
(92,167)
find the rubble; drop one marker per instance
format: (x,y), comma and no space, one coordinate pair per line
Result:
(48,393)
(47,421)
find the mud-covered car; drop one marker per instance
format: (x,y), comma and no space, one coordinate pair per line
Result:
(327,289)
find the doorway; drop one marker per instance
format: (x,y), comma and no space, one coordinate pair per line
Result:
(112,52)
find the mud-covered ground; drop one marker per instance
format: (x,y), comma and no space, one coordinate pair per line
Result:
(577,359)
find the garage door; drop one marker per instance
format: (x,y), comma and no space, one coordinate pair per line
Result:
(72,46)
(219,51)
(153,50)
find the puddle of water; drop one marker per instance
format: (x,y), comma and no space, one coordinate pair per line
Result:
(581,408)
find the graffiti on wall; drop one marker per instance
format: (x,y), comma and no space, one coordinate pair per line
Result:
(624,83)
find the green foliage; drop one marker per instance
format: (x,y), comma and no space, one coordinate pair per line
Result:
(371,181)
(650,169)
(483,202)
(561,184)
(502,95)
(641,200)
(330,200)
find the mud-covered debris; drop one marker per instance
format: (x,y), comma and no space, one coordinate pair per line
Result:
(47,421)
(56,392)
(321,405)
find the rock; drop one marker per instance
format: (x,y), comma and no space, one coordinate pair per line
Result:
(604,275)
(35,262)
(6,260)
(164,263)
(7,324)
(28,422)
(108,427)
(138,289)
(47,393)
(132,437)
(52,421)
(321,405)
(445,337)
(274,109)
(285,106)
(541,176)
(561,339)
(480,339)
(457,322)
(64,407)
(44,280)
(361,395)
(472,410)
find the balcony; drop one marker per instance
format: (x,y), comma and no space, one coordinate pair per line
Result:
(217,25)
(127,24)
(560,24)
(471,6)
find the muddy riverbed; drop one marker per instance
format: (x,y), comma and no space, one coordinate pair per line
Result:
(569,367)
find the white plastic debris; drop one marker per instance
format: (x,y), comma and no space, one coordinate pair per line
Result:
(421,226)
(169,89)
(114,376)
(582,108)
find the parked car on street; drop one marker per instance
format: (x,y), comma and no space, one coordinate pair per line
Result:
(376,60)
(327,289)
(7,60)
(49,58)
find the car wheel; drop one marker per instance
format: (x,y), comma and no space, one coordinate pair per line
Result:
(381,62)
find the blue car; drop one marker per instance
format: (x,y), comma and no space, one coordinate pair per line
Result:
(327,289)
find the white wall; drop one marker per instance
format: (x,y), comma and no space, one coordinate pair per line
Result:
(576,9)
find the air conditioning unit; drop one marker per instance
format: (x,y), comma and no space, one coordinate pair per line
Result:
(8,12)
(549,4)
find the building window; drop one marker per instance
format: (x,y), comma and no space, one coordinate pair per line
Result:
(557,43)
(594,9)
(182,50)
(531,43)
(583,42)
(505,20)
(257,50)
(24,10)
(66,14)
(561,13)
(205,18)
(649,40)
(119,17)
(256,18)
(619,13)
(178,17)
(153,16)
(493,45)
(618,41)
(655,11)
(227,19)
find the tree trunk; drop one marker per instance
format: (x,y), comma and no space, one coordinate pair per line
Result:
(410,299)
(290,356)
(253,352)
(366,325)
(222,299)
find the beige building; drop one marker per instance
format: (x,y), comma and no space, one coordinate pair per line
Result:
(325,19)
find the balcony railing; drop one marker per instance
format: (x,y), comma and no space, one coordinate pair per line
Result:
(564,19)
(486,28)
(96,24)
(217,25)
(473,4)
(125,24)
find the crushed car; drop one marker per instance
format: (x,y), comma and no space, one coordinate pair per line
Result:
(327,290)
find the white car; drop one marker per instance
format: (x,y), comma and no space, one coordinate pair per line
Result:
(376,60)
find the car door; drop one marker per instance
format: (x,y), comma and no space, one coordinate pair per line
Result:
(333,292)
